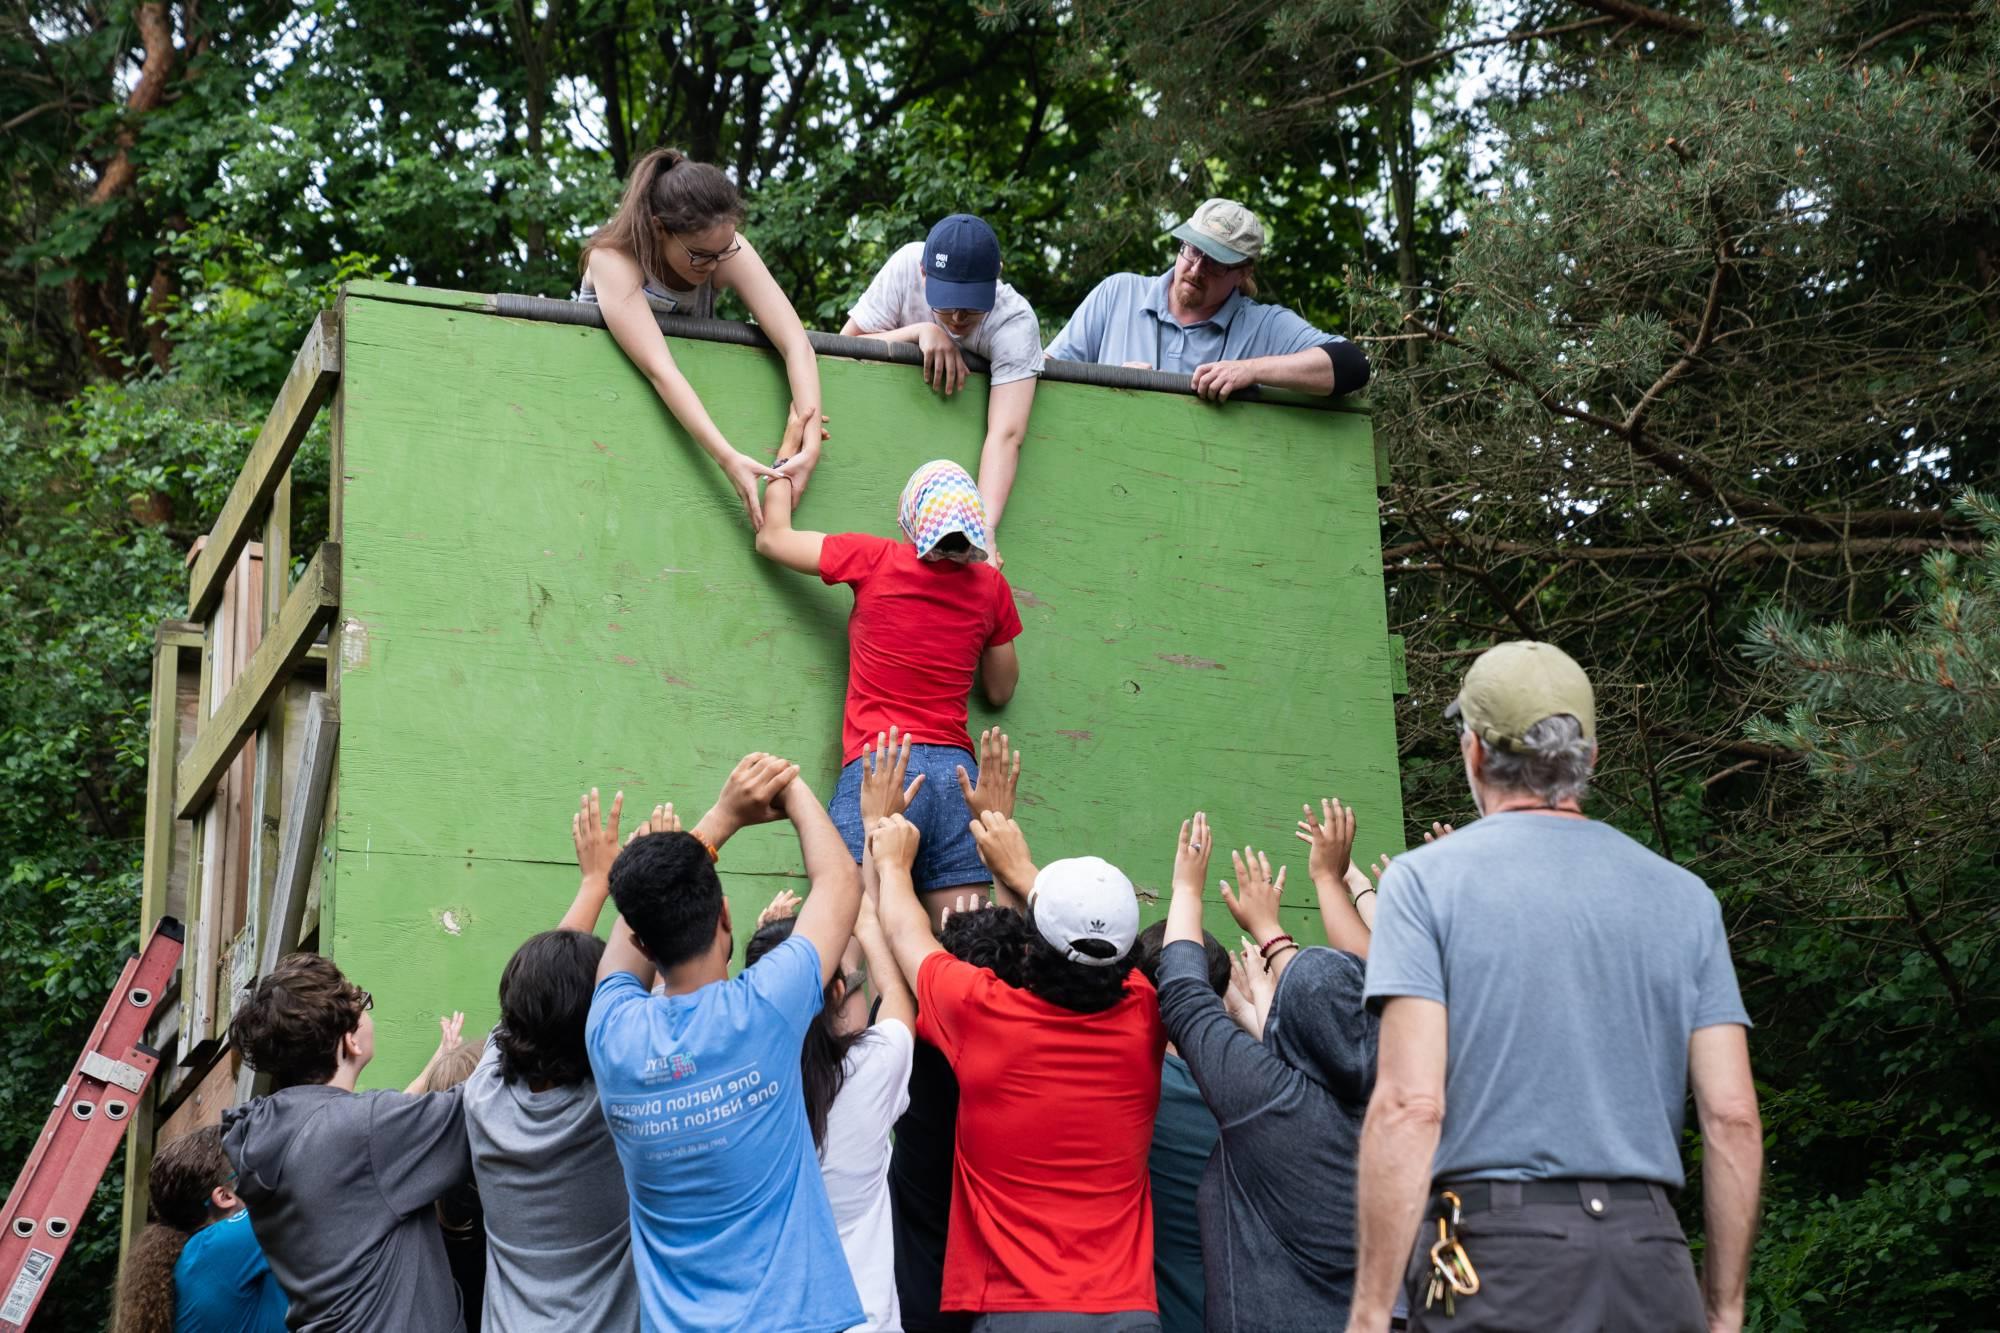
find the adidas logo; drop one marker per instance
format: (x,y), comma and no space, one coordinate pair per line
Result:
(1097,927)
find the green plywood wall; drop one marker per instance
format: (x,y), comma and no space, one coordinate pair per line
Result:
(548,587)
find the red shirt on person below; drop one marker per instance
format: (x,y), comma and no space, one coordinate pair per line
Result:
(914,639)
(1051,1199)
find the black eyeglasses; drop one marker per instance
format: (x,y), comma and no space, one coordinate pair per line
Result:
(1200,258)
(708,258)
(367,1002)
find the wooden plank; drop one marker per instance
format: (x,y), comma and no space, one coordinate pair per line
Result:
(404,294)
(204,1103)
(309,609)
(557,590)
(162,742)
(306,387)
(301,840)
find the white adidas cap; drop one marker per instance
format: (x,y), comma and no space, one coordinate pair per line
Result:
(1082,899)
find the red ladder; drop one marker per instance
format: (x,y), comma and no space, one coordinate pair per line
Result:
(84,1129)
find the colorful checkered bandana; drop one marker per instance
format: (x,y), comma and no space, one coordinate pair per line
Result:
(941,498)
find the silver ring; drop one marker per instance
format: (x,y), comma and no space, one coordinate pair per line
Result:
(1194,846)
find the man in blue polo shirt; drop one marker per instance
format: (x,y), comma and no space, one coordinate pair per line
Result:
(1198,319)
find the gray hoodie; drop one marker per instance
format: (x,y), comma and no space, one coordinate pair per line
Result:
(340,1186)
(1277,1199)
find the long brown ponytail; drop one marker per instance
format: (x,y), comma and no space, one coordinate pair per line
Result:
(184,1174)
(667,189)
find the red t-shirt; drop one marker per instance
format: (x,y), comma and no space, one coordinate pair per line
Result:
(1051,1200)
(914,639)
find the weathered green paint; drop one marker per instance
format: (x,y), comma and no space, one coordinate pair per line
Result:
(548,587)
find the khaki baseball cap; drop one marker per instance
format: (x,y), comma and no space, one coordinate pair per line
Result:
(1224,230)
(1513,686)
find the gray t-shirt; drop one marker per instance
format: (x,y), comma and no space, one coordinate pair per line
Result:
(1575,964)
(1277,1199)
(340,1186)
(558,1222)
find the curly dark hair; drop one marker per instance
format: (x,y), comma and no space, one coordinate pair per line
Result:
(667,890)
(544,999)
(823,1057)
(1001,940)
(1153,939)
(993,938)
(184,1174)
(290,1024)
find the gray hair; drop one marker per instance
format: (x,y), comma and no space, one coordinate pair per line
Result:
(1555,765)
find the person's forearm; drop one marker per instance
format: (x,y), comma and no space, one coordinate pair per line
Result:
(1342,919)
(802,371)
(778,498)
(1731,1175)
(999,460)
(1310,371)
(907,334)
(828,866)
(689,411)
(588,905)
(1398,1141)
(716,827)
(1183,915)
(905,923)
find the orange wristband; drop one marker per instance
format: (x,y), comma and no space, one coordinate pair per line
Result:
(714,852)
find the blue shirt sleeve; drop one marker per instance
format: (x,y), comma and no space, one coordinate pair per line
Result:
(787,979)
(1283,331)
(1717,999)
(604,1037)
(1083,336)
(1405,956)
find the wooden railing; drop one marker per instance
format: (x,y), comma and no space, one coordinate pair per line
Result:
(189,866)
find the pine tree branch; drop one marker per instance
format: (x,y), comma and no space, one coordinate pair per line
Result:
(1647,17)
(1897,30)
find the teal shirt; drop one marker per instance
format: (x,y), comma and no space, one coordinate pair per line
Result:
(223,1285)
(1184,1134)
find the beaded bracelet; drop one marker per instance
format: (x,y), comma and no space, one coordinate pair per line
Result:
(1266,947)
(714,852)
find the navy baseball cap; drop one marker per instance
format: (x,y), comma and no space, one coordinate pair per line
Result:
(961,264)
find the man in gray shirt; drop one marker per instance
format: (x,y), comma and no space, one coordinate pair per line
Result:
(1549,990)
(1199,319)
(340,1183)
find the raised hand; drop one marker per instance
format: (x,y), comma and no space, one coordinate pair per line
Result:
(1004,849)
(783,905)
(1438,831)
(1330,834)
(999,775)
(1191,856)
(451,1034)
(893,843)
(1259,981)
(662,820)
(751,793)
(1254,900)
(1236,1000)
(883,765)
(596,843)
(961,903)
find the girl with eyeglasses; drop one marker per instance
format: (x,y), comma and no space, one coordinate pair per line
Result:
(670,247)
(198,1265)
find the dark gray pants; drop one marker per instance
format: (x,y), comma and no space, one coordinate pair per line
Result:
(1621,1266)
(1035,1321)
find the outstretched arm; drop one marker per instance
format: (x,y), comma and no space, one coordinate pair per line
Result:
(621,297)
(1007,409)
(1254,903)
(1330,834)
(747,274)
(1004,849)
(778,540)
(834,893)
(892,850)
(596,848)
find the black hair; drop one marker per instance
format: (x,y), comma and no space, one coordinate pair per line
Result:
(823,1057)
(993,938)
(666,889)
(1001,940)
(544,999)
(953,543)
(1153,939)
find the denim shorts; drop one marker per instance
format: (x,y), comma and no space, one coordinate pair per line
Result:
(947,858)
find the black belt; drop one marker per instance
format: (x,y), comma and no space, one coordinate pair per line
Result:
(1476,1196)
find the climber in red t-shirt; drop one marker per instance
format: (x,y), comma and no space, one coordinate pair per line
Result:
(930,614)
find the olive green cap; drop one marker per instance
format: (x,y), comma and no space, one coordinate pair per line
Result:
(1513,686)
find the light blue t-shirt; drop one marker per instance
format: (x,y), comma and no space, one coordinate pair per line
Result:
(223,1285)
(1126,318)
(730,1222)
(1574,965)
